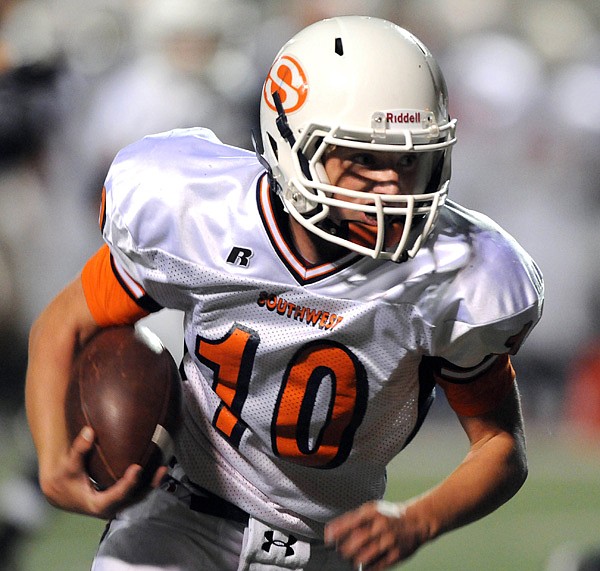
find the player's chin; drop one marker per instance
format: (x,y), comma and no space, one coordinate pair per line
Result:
(393,232)
(364,232)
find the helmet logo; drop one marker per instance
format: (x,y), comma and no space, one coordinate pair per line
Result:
(287,77)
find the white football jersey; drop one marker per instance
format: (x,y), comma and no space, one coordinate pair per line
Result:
(301,384)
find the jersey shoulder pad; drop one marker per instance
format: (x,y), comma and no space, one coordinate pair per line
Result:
(156,186)
(493,299)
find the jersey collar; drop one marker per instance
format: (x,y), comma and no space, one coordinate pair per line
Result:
(296,266)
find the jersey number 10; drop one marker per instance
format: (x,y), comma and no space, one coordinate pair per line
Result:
(231,359)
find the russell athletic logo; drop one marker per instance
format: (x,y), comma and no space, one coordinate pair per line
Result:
(288,78)
(240,256)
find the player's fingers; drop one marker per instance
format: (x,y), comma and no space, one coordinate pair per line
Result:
(363,545)
(160,473)
(352,533)
(109,501)
(80,446)
(388,541)
(354,545)
(387,559)
(337,530)
(128,482)
(369,535)
(376,552)
(84,440)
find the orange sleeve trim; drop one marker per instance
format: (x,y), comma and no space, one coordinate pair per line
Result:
(108,301)
(102,213)
(484,393)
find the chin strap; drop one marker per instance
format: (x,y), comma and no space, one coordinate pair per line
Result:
(259,151)
(286,132)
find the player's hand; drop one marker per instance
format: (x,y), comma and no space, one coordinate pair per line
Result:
(374,536)
(69,487)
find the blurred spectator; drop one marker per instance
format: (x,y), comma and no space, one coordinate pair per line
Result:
(582,393)
(526,76)
(181,69)
(571,557)
(31,68)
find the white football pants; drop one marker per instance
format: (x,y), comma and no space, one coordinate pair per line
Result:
(161,533)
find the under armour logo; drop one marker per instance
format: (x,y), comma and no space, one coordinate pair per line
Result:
(266,546)
(240,256)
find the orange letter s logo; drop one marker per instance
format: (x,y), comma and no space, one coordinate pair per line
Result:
(287,77)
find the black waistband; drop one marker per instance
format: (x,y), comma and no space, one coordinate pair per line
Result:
(201,500)
(211,504)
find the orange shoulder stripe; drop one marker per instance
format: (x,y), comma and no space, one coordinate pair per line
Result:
(108,300)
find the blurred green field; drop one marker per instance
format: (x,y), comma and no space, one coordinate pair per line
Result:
(559,505)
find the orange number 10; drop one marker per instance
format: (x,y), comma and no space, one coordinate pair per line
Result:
(323,362)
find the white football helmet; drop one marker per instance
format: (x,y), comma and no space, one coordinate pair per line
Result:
(363,83)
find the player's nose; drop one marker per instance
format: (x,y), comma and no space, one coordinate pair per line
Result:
(386,181)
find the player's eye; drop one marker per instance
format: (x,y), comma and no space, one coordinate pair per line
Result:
(372,161)
(407,160)
(367,160)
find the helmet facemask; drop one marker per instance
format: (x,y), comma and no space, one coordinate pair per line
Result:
(296,152)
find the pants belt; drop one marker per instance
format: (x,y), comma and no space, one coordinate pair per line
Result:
(211,504)
(202,501)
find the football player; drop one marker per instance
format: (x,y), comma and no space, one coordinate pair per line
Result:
(328,286)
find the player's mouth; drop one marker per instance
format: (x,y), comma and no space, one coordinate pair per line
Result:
(364,231)
(369,219)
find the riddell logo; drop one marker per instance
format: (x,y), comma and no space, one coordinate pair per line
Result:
(407,117)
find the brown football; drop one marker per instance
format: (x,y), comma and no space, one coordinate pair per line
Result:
(125,385)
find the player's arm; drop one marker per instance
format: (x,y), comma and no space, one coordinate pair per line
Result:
(65,324)
(380,534)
